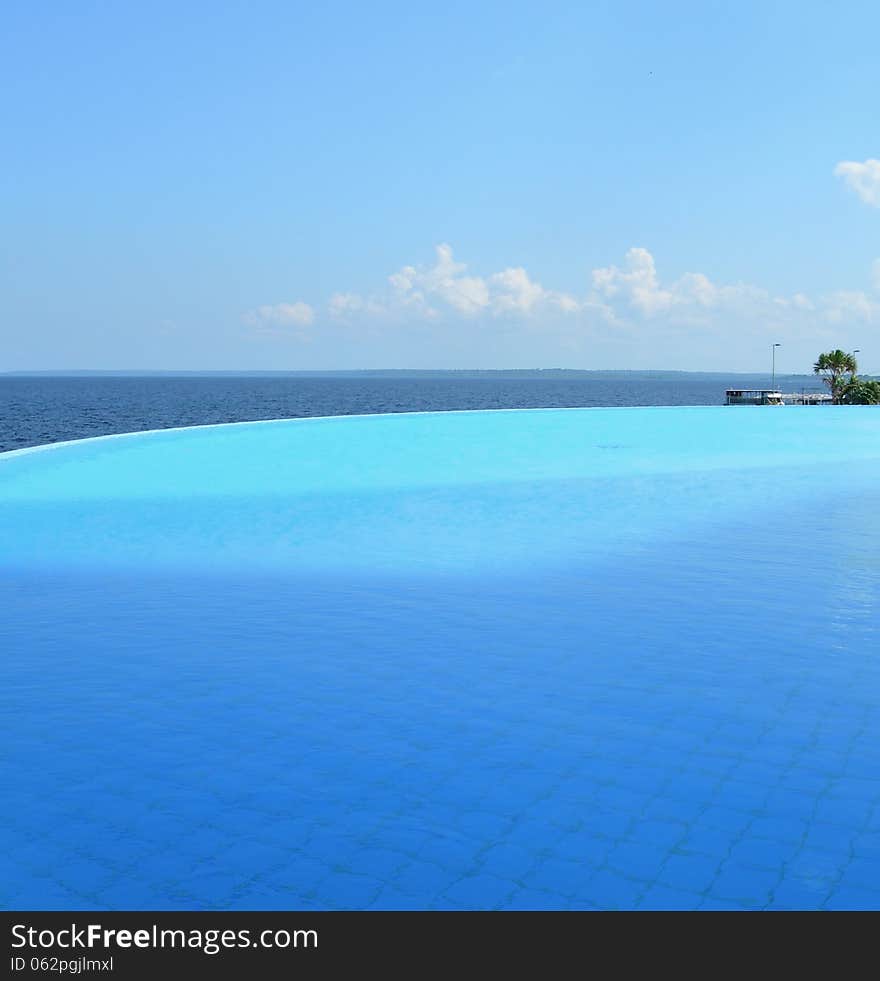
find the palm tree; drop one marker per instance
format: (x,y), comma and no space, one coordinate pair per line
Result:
(860,391)
(833,365)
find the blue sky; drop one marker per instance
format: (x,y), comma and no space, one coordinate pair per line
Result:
(343,185)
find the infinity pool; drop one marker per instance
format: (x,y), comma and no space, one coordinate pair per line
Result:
(601,658)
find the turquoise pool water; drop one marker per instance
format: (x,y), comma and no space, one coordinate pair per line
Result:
(622,658)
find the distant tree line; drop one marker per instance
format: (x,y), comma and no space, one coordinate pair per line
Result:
(838,370)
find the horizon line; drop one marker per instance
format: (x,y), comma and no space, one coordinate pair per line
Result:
(250,372)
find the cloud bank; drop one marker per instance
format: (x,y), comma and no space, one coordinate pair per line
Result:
(630,295)
(446,288)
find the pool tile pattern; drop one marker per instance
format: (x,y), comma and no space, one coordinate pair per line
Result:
(672,704)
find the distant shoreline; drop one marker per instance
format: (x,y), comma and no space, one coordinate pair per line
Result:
(470,373)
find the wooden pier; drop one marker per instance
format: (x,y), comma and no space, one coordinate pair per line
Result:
(767,396)
(806,398)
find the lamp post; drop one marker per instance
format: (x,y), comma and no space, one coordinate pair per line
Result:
(773,350)
(857,351)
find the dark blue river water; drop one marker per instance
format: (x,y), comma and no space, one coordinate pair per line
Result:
(46,409)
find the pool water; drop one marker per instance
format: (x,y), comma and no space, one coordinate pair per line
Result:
(557,659)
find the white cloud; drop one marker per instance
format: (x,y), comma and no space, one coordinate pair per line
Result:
(344,305)
(629,299)
(694,300)
(297,314)
(444,281)
(445,285)
(848,306)
(513,291)
(802,302)
(637,286)
(863,178)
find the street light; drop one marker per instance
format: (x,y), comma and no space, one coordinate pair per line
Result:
(773,383)
(857,351)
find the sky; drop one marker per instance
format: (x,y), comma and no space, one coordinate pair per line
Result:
(268,185)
